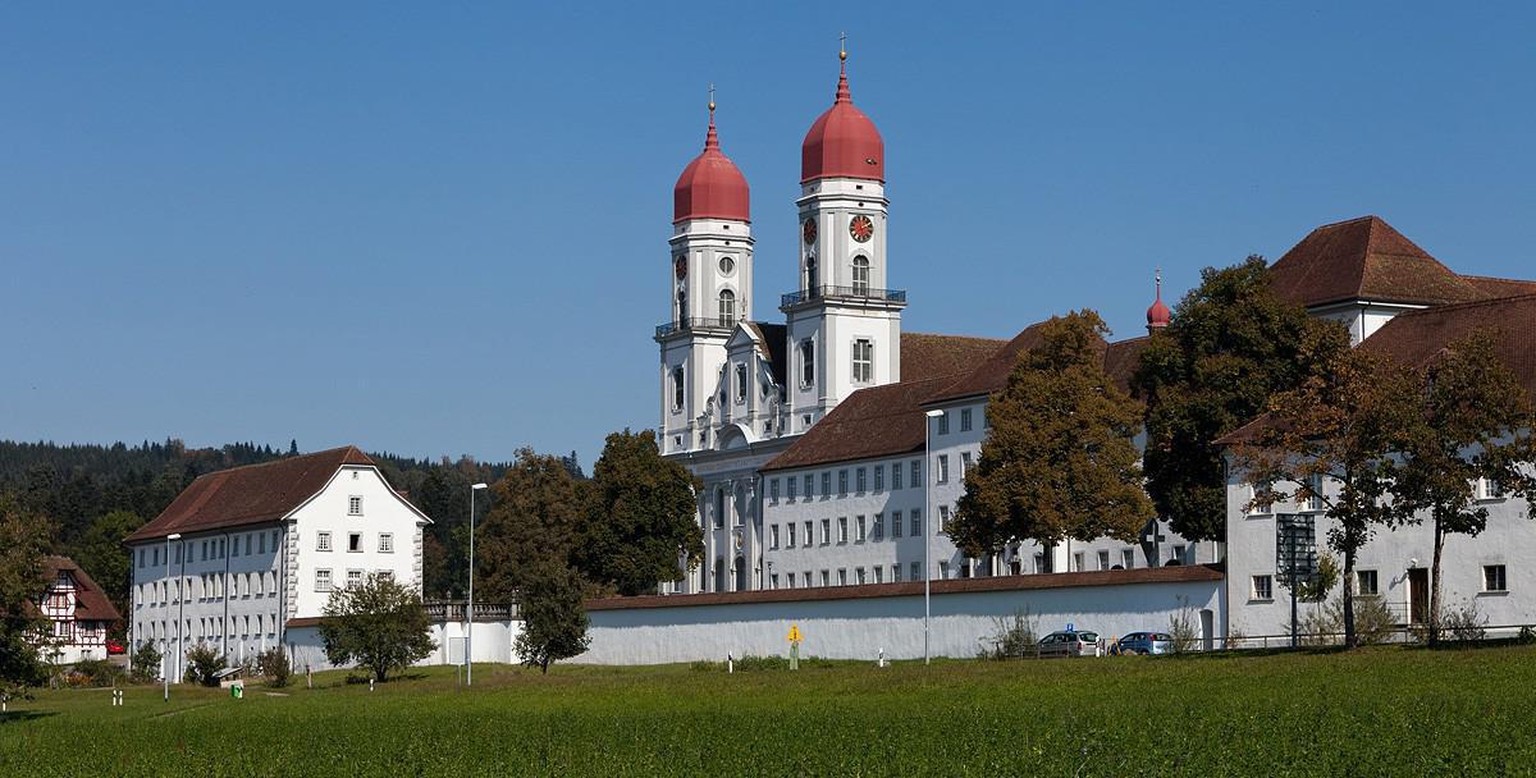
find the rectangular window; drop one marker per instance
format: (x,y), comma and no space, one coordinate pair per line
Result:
(826,532)
(1079,562)
(965,464)
(741,384)
(810,486)
(1315,486)
(223,547)
(322,580)
(842,530)
(789,580)
(141,557)
(842,576)
(863,361)
(234,552)
(861,480)
(879,487)
(773,490)
(1103,560)
(943,476)
(773,581)
(944,519)
(896,573)
(826,484)
(879,574)
(323,541)
(1489,490)
(789,535)
(1178,555)
(895,476)
(386,543)
(677,388)
(386,575)
(355,505)
(842,483)
(261,543)
(247,545)
(943,569)
(917,523)
(859,533)
(1040,563)
(965,419)
(1366,583)
(807,540)
(1263,587)
(791,483)
(878,528)
(156,551)
(354,542)
(858,575)
(917,571)
(807,363)
(1493,579)
(773,536)
(896,527)
(826,578)
(944,423)
(354,579)
(917,473)
(1128,558)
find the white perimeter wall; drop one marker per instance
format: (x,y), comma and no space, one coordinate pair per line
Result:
(859,628)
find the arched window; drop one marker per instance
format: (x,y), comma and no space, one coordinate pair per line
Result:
(861,276)
(727,307)
(810,275)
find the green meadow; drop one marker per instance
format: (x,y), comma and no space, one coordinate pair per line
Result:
(1381,711)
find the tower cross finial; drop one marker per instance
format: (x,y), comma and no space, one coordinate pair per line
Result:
(711,96)
(842,46)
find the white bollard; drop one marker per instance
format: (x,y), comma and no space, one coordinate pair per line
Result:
(880,661)
(370,684)
(730,664)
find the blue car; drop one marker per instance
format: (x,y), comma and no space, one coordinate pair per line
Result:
(1147,643)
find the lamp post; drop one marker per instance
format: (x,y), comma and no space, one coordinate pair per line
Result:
(469,632)
(929,416)
(166,664)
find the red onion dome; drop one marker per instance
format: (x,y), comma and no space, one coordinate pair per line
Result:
(711,187)
(843,143)
(1158,315)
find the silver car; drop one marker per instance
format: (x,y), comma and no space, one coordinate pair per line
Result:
(1069,643)
(1143,643)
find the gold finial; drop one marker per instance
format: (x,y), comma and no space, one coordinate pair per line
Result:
(711,96)
(842,47)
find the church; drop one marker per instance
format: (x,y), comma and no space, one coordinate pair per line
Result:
(810,432)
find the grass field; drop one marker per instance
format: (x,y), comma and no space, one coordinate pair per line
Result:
(1384,711)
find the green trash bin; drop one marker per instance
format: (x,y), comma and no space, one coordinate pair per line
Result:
(237,690)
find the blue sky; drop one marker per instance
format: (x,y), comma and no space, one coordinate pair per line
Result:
(441,229)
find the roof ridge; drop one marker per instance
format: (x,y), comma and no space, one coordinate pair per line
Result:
(1492,301)
(289,459)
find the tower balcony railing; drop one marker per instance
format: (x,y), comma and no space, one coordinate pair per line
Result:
(842,293)
(694,323)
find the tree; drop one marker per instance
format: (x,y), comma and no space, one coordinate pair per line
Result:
(1345,424)
(554,620)
(379,625)
(537,512)
(1473,425)
(101,554)
(1059,461)
(23,541)
(641,517)
(1229,347)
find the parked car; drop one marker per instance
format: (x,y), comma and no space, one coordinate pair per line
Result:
(1146,643)
(115,647)
(1069,643)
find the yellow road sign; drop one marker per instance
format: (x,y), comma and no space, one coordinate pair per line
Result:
(794,633)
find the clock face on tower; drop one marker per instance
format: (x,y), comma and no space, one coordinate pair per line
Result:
(680,266)
(808,231)
(861,228)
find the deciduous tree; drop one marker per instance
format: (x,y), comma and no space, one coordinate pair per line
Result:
(1058,461)
(23,541)
(554,622)
(1229,347)
(1473,425)
(537,512)
(641,517)
(379,625)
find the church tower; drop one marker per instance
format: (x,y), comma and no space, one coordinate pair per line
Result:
(709,280)
(844,323)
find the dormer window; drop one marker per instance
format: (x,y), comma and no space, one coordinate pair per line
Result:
(741,384)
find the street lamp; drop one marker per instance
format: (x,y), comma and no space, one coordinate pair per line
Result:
(929,416)
(469,632)
(165,664)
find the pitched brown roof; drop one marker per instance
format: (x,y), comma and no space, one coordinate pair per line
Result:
(91,603)
(1494,288)
(926,356)
(1120,362)
(874,422)
(1415,338)
(1365,259)
(251,494)
(1139,575)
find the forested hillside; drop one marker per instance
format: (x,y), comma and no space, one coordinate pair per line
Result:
(94,495)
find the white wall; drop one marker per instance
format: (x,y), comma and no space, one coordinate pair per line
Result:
(857,628)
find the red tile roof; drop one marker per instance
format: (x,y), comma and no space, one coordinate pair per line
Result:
(926,356)
(252,494)
(1493,288)
(1415,338)
(874,422)
(91,603)
(1120,362)
(1001,583)
(1366,259)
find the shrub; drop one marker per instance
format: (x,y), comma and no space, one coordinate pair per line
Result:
(146,663)
(273,663)
(1465,624)
(203,664)
(94,672)
(1181,625)
(1527,636)
(1373,621)
(1015,638)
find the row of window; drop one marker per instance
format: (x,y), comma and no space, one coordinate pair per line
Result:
(1367,582)
(210,628)
(861,481)
(324,582)
(213,549)
(355,542)
(206,587)
(861,575)
(863,529)
(1482,489)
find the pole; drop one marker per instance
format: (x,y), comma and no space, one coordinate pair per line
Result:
(181,607)
(165,661)
(469,615)
(927,534)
